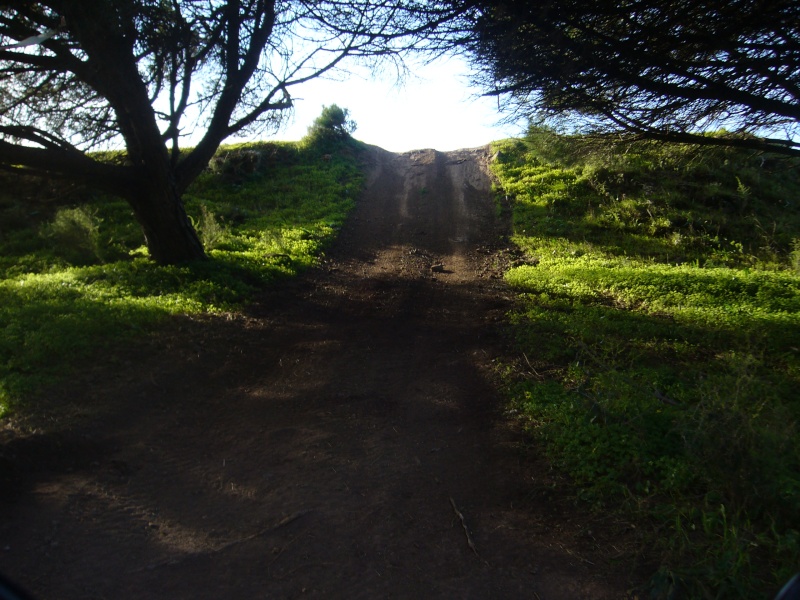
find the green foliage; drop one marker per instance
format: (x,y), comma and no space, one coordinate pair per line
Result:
(660,311)
(236,164)
(75,235)
(795,255)
(329,130)
(212,232)
(74,280)
(603,67)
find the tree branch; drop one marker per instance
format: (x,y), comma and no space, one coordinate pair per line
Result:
(67,163)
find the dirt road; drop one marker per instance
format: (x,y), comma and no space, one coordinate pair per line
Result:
(342,439)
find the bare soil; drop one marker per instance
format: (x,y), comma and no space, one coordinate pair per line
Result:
(344,437)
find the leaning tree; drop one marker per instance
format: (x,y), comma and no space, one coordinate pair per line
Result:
(664,69)
(77,75)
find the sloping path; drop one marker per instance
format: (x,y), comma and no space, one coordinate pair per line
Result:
(343,439)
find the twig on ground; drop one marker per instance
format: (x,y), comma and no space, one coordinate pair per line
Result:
(464,525)
(579,557)
(285,521)
(535,372)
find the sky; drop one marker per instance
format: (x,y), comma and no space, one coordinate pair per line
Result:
(434,108)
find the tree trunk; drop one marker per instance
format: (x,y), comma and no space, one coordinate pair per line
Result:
(171,239)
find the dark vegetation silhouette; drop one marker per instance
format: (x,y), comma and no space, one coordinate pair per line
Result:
(662,69)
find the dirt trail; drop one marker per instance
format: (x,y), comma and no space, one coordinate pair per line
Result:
(343,439)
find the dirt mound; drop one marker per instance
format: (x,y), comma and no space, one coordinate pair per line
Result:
(341,439)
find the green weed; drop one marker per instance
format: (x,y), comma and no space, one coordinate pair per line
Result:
(212,232)
(795,255)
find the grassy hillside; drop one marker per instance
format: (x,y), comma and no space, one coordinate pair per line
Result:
(659,319)
(74,275)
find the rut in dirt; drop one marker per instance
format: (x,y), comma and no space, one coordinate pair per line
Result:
(343,438)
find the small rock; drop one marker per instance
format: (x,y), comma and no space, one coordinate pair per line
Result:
(437,268)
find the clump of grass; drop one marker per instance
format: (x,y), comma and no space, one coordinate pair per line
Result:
(212,232)
(75,280)
(661,318)
(795,255)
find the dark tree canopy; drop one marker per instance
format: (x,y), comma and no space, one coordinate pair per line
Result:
(78,74)
(664,69)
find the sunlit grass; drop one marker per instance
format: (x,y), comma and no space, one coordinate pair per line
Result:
(74,276)
(659,314)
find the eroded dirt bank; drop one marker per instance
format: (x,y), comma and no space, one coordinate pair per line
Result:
(342,439)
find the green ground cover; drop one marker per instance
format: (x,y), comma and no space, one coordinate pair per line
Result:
(74,273)
(659,317)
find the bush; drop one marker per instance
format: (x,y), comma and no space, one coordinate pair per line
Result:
(236,164)
(331,128)
(211,231)
(75,233)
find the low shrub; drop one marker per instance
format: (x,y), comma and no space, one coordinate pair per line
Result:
(75,234)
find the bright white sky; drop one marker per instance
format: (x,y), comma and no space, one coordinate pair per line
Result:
(434,108)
